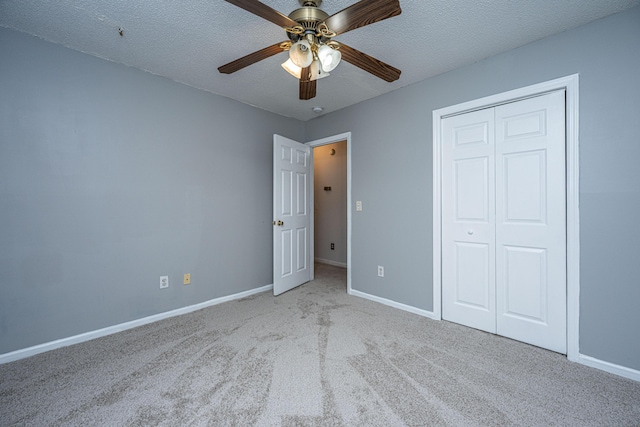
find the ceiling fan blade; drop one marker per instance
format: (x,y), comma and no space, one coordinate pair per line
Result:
(252,58)
(363,13)
(264,11)
(369,63)
(307,90)
(307,87)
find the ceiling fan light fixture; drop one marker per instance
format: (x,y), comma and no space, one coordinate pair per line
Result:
(329,57)
(292,68)
(300,53)
(311,49)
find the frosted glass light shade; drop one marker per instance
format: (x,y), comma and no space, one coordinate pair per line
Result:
(317,72)
(300,53)
(329,57)
(292,68)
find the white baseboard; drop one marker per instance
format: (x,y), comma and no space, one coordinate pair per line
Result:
(612,368)
(394,304)
(329,262)
(41,348)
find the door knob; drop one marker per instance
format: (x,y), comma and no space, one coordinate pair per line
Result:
(280,223)
(470,232)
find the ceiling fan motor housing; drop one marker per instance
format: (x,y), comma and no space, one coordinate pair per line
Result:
(308,16)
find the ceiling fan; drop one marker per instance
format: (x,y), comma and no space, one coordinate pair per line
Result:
(312,50)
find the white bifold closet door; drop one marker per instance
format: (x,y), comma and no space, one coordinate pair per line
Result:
(504,220)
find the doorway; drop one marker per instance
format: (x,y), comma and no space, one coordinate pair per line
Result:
(345,139)
(330,203)
(293,212)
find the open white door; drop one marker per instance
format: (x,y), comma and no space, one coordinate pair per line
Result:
(291,214)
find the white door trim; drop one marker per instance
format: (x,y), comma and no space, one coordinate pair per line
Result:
(570,85)
(317,143)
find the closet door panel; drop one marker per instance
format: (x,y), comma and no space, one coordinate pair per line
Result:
(531,221)
(468,220)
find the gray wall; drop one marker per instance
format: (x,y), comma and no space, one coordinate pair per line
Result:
(330,206)
(111,177)
(392,174)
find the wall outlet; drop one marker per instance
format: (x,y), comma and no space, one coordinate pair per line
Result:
(358,206)
(164,282)
(333,246)
(380,271)
(187,279)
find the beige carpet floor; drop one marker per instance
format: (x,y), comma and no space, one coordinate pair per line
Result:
(313,356)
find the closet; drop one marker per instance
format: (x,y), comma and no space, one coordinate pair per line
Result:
(504,220)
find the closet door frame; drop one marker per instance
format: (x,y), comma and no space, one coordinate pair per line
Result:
(570,85)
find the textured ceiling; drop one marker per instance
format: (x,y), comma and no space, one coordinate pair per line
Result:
(187,40)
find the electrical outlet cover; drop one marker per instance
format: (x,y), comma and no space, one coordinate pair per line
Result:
(164,282)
